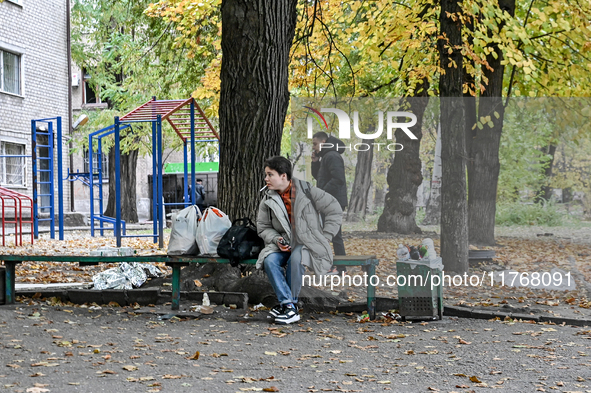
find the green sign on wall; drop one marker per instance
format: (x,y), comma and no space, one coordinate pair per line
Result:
(200,167)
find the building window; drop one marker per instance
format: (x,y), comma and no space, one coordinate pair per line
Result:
(13,168)
(10,72)
(104,164)
(91,95)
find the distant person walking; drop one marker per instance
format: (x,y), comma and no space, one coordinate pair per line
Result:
(200,195)
(328,168)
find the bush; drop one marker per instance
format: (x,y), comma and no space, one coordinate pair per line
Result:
(529,214)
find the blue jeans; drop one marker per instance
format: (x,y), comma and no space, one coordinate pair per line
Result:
(285,272)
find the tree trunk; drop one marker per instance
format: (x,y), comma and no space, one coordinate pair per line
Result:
(361,184)
(483,149)
(128,166)
(454,215)
(380,192)
(545,192)
(433,209)
(256,39)
(567,195)
(404,177)
(483,173)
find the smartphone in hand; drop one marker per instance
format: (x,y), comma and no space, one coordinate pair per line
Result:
(283,245)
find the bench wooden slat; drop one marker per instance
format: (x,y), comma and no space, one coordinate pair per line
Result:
(353,257)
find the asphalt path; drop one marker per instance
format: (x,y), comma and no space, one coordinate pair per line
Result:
(72,349)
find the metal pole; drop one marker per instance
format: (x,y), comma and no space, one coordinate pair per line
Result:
(60,181)
(161,211)
(34,162)
(117,184)
(176,286)
(154,183)
(91,178)
(193,199)
(99,159)
(186,177)
(51,181)
(69,55)
(371,291)
(10,280)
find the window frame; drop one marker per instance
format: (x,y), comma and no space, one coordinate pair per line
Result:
(3,167)
(104,164)
(87,85)
(20,53)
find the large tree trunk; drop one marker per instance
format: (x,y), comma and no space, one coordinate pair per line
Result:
(256,39)
(128,169)
(483,173)
(404,177)
(545,192)
(454,215)
(483,149)
(361,184)
(433,209)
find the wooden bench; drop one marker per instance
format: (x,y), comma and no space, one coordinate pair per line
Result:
(367,262)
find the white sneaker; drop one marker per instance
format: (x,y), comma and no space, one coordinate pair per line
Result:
(288,315)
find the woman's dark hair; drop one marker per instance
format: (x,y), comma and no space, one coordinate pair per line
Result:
(280,164)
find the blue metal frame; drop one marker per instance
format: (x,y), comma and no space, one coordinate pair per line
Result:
(36,171)
(158,204)
(193,157)
(161,211)
(157,186)
(118,226)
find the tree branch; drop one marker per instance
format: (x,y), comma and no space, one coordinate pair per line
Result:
(518,47)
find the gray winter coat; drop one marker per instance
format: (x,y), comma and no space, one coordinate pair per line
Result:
(329,172)
(273,223)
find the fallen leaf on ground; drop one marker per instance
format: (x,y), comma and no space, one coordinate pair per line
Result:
(37,390)
(106,372)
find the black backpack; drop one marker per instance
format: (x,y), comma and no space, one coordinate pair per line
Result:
(240,242)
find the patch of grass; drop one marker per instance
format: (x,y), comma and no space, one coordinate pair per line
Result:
(370,223)
(548,214)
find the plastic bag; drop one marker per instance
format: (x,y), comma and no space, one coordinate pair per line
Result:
(125,276)
(212,227)
(183,234)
